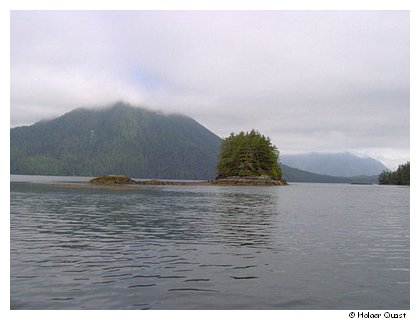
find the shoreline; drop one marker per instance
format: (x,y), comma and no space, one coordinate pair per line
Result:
(228,181)
(124,183)
(144,185)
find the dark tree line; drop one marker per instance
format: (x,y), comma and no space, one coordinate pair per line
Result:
(248,154)
(399,177)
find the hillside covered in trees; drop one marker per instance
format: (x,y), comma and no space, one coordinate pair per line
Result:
(401,176)
(140,143)
(116,140)
(248,154)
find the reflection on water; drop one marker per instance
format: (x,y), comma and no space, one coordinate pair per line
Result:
(296,247)
(245,218)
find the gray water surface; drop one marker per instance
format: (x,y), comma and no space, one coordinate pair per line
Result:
(303,246)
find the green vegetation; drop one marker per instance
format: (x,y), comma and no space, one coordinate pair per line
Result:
(399,177)
(248,154)
(113,179)
(117,140)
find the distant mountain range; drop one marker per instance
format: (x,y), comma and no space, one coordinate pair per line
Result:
(140,143)
(296,175)
(334,164)
(116,140)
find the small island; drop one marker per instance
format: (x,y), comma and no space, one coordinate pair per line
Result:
(249,159)
(246,159)
(113,179)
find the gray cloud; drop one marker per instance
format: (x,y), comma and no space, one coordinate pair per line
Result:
(326,81)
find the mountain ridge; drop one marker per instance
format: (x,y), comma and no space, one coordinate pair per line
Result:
(296,175)
(116,139)
(342,164)
(135,141)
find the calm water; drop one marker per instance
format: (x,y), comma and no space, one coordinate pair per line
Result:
(304,246)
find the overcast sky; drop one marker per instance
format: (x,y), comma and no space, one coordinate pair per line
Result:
(313,81)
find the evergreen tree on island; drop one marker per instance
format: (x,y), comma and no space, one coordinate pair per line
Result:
(248,154)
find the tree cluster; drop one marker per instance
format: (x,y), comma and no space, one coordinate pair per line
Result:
(399,177)
(248,154)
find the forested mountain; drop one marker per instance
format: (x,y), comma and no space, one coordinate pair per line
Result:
(334,164)
(116,140)
(137,142)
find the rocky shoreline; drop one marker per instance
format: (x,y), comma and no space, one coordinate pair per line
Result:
(226,181)
(249,182)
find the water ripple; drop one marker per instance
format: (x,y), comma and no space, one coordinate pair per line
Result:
(210,248)
(192,289)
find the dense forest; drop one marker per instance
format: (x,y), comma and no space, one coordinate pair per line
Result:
(248,154)
(116,140)
(401,176)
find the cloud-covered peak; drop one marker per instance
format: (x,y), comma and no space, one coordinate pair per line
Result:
(311,80)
